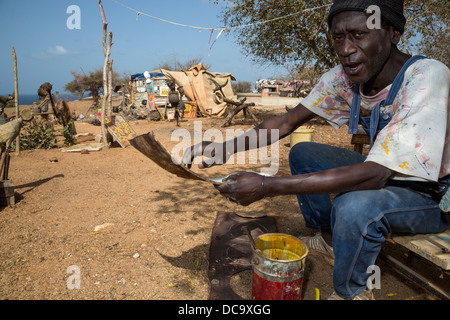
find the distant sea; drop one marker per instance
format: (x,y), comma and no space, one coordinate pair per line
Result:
(28,99)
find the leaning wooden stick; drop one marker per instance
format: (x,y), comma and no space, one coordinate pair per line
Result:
(16,93)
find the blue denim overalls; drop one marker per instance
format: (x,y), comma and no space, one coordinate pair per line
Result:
(379,118)
(377,121)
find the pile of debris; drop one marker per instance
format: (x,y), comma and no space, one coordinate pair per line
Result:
(283,88)
(173,95)
(166,95)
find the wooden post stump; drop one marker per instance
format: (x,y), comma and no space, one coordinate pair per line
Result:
(7,197)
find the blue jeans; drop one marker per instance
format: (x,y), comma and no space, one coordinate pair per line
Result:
(360,220)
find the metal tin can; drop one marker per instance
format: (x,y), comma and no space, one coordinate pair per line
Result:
(278,267)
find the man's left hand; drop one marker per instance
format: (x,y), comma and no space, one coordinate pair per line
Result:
(244,188)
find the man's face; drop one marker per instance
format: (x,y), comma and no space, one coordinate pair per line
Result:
(362,51)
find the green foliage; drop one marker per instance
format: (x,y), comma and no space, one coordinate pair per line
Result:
(69,139)
(428,21)
(10,104)
(40,136)
(303,37)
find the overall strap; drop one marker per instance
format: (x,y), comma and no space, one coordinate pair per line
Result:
(356,102)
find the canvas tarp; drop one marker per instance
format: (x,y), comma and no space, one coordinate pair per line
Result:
(198,87)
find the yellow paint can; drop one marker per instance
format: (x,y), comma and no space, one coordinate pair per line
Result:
(301,135)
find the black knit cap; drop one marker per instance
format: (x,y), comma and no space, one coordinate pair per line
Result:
(391,10)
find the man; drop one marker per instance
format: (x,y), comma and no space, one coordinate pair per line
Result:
(398,187)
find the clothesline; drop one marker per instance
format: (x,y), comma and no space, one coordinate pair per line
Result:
(139,13)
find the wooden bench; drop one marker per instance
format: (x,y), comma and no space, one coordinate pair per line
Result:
(432,247)
(359,140)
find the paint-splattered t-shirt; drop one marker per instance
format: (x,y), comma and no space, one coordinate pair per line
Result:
(415,143)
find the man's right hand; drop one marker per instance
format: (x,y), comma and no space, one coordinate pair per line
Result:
(215,153)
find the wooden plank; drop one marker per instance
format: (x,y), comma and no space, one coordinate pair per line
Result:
(191,109)
(428,246)
(120,130)
(359,140)
(93,146)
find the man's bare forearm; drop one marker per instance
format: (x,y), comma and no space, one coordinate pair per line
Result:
(284,124)
(363,176)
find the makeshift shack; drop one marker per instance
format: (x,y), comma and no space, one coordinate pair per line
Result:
(138,92)
(198,87)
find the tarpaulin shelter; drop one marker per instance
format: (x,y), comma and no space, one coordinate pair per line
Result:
(141,76)
(198,87)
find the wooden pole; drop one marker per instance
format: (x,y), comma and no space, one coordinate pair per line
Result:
(105,88)
(107,66)
(110,76)
(16,93)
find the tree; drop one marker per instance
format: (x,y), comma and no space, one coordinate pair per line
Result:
(303,37)
(91,82)
(174,64)
(428,21)
(299,39)
(76,85)
(241,87)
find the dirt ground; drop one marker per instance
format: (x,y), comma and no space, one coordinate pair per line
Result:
(134,231)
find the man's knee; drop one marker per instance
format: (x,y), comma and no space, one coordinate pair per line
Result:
(355,209)
(301,151)
(361,212)
(303,156)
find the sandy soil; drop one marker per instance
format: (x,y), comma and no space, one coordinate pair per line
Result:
(134,231)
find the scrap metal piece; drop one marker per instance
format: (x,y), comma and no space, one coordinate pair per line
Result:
(150,147)
(251,214)
(230,250)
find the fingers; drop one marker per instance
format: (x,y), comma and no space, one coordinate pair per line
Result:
(229,189)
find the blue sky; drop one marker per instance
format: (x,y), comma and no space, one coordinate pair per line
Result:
(47,50)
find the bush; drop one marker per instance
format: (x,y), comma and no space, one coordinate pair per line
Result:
(69,139)
(40,136)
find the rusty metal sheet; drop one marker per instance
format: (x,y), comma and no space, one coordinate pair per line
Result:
(150,147)
(230,251)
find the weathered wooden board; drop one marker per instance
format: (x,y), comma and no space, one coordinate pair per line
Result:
(191,109)
(93,146)
(120,130)
(425,246)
